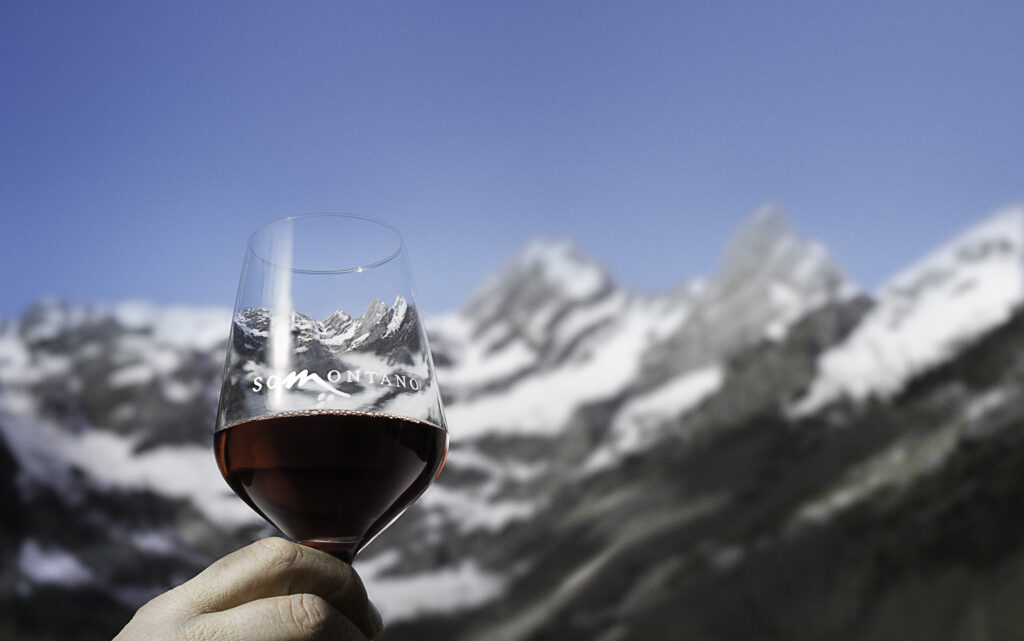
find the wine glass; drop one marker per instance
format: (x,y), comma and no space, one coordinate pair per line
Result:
(330,422)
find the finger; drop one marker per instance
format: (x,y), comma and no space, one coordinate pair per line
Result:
(274,567)
(296,617)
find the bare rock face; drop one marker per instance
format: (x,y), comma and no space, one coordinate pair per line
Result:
(770,277)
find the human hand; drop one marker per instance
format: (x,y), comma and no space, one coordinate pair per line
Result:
(272,590)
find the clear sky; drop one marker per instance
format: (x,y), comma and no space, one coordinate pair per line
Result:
(140,142)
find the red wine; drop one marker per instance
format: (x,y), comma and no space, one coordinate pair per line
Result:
(331,480)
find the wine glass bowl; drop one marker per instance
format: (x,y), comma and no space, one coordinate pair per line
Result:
(330,423)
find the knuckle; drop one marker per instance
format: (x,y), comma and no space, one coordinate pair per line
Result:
(192,597)
(310,614)
(276,551)
(199,629)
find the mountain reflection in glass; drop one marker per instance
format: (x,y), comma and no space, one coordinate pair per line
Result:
(330,422)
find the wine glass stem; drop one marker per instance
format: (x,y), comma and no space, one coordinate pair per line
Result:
(341,548)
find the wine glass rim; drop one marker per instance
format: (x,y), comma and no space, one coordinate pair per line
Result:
(360,268)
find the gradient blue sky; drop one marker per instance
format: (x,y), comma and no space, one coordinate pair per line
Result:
(141,141)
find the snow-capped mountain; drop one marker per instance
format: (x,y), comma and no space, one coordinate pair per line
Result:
(552,331)
(926,313)
(623,464)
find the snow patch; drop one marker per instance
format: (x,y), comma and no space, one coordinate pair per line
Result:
(199,328)
(898,466)
(980,407)
(155,542)
(48,454)
(564,266)
(477,368)
(672,399)
(543,402)
(444,591)
(179,392)
(636,424)
(52,566)
(475,510)
(132,376)
(397,316)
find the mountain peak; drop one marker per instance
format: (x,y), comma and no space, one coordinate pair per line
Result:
(766,218)
(927,312)
(766,249)
(764,233)
(561,262)
(1000,234)
(554,265)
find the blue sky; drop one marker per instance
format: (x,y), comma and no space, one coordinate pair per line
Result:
(140,142)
